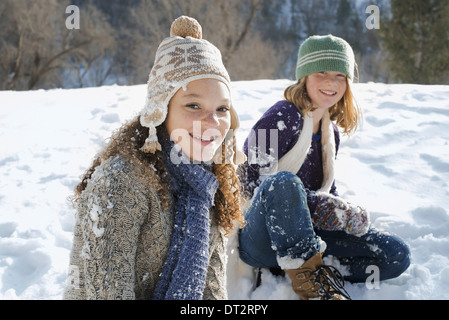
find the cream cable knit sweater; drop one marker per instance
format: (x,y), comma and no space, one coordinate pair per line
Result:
(122,236)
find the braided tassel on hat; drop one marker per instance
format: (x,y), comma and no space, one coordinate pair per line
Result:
(160,89)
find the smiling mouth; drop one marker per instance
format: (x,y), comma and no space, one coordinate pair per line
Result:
(328,93)
(203,139)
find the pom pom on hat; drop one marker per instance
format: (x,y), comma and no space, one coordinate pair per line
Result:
(186,27)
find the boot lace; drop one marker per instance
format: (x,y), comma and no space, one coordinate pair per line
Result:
(331,282)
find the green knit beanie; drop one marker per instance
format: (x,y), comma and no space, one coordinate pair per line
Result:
(325,53)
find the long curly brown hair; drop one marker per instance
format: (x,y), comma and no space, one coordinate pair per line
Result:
(128,140)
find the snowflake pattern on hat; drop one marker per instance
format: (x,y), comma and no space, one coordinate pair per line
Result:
(181,56)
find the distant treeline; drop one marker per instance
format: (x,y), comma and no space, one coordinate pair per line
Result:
(45,44)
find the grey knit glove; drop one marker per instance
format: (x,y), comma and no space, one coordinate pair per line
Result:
(333,213)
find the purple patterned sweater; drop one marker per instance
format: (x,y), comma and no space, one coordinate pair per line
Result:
(285,118)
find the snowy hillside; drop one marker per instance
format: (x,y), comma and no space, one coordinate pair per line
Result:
(397,166)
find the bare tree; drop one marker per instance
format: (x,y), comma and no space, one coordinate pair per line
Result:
(227,24)
(118,40)
(149,24)
(92,65)
(255,58)
(36,46)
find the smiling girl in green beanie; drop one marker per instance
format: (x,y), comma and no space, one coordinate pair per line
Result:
(296,214)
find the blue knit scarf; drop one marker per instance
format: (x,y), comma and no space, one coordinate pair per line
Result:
(193,186)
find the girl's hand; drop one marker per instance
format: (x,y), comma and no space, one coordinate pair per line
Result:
(334,214)
(358,221)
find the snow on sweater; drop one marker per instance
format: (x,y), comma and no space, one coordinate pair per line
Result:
(263,149)
(122,236)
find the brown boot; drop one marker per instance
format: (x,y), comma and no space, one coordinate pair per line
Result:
(316,280)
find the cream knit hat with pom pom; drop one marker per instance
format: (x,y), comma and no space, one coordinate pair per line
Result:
(180,59)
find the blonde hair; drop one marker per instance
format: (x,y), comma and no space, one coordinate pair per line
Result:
(128,140)
(346,112)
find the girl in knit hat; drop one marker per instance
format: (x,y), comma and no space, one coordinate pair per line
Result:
(296,214)
(155,207)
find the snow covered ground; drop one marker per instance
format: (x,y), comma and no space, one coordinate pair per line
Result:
(397,166)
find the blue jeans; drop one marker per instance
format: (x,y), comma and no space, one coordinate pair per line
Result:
(279,225)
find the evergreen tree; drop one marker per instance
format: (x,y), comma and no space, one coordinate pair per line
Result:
(416,40)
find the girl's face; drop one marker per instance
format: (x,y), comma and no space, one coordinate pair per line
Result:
(325,89)
(199,118)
